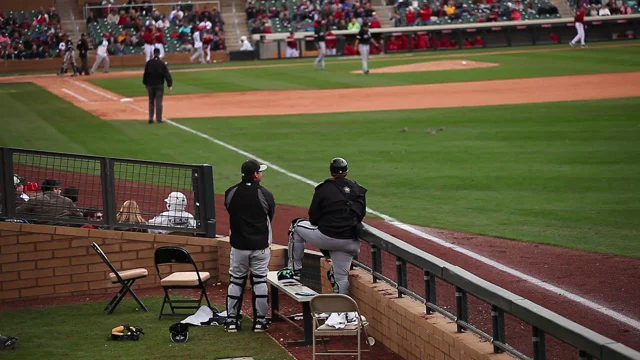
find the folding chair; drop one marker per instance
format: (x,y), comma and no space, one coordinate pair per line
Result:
(337,303)
(125,278)
(180,280)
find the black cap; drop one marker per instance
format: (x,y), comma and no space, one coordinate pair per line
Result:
(49,184)
(251,167)
(83,35)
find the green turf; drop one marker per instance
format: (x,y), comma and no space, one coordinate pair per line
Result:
(558,173)
(80,332)
(337,75)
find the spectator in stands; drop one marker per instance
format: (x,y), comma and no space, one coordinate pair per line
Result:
(342,25)
(256,28)
(176,216)
(119,50)
(353,25)
(176,14)
(185,46)
(374,23)
(71,193)
(396,21)
(49,203)
(625,10)
(450,8)
(113,17)
(614,9)
(20,197)
(425,14)
(92,215)
(410,16)
(251,12)
(31,189)
(163,23)
(593,11)
(284,13)
(147,8)
(4,39)
(604,11)
(130,214)
(515,15)
(20,53)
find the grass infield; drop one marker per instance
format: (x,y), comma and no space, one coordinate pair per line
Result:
(559,173)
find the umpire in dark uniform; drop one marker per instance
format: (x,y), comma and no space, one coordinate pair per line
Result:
(155,74)
(83,49)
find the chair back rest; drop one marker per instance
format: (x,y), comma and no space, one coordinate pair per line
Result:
(104,258)
(174,255)
(330,303)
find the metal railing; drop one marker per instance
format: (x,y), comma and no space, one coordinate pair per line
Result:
(588,343)
(134,195)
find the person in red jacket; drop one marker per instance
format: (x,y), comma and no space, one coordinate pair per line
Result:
(331,42)
(404,43)
(149,42)
(393,44)
(160,42)
(410,16)
(349,50)
(292,45)
(374,23)
(425,14)
(579,19)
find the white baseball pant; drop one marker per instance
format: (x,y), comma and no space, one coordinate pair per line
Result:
(322,51)
(148,51)
(364,54)
(331,51)
(69,55)
(241,261)
(198,52)
(207,51)
(161,47)
(99,59)
(291,52)
(580,36)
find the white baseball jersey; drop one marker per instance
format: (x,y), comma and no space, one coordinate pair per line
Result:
(207,24)
(102,49)
(173,218)
(62,46)
(197,42)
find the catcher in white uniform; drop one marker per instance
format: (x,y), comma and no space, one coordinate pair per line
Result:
(102,54)
(176,216)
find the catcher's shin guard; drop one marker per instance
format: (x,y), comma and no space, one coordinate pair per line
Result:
(260,298)
(234,297)
(291,232)
(332,279)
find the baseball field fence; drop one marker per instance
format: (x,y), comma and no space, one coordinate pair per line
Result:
(127,192)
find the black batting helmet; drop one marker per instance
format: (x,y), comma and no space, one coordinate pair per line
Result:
(339,166)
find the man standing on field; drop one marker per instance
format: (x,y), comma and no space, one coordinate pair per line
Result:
(579,20)
(155,74)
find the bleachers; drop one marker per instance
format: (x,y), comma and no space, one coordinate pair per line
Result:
(27,36)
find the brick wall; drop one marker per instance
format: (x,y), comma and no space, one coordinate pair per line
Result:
(403,326)
(44,261)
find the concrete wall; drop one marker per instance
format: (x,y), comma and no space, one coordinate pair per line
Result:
(403,326)
(38,261)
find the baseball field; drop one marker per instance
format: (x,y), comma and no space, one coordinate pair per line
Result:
(541,146)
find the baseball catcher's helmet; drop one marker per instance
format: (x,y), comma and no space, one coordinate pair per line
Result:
(339,166)
(176,201)
(285,274)
(179,332)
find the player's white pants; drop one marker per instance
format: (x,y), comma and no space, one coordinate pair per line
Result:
(331,51)
(322,51)
(291,52)
(580,36)
(99,59)
(161,47)
(148,51)
(241,261)
(364,54)
(207,51)
(198,52)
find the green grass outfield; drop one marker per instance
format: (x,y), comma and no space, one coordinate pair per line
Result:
(81,331)
(559,173)
(301,75)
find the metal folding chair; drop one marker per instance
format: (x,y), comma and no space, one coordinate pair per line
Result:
(125,278)
(172,255)
(338,303)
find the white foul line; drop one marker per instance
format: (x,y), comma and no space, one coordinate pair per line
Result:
(94,90)
(75,95)
(535,281)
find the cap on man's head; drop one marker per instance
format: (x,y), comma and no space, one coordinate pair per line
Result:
(31,186)
(50,184)
(156,51)
(251,167)
(18,180)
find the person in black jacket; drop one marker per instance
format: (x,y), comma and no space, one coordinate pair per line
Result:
(337,208)
(155,74)
(251,209)
(83,49)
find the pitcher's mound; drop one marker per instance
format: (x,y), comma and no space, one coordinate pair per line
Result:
(431,66)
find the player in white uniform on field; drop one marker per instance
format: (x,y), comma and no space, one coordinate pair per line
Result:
(197,48)
(176,216)
(102,54)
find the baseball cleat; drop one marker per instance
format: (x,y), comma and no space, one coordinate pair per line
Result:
(571,44)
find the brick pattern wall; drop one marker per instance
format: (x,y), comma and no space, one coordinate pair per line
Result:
(43,261)
(403,326)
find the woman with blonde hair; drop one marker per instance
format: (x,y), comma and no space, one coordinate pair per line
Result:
(130,214)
